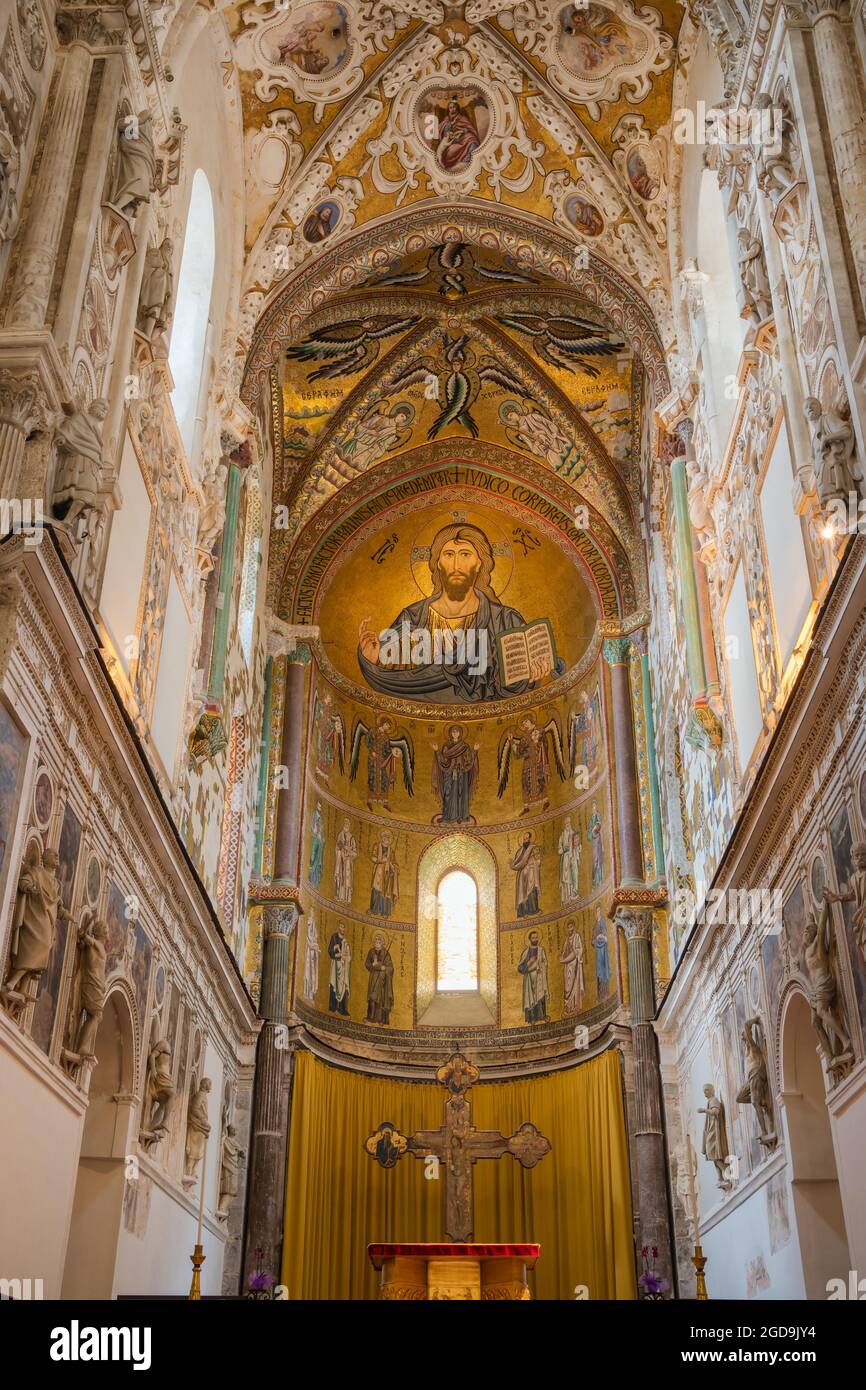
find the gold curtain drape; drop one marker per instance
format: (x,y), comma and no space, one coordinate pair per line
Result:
(576,1203)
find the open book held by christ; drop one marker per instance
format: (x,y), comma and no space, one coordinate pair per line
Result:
(525,652)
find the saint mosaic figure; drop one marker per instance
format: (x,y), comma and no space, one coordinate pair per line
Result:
(330,736)
(317,845)
(601,947)
(346,853)
(584,732)
(312,951)
(533,967)
(385,882)
(571,959)
(569,849)
(596,840)
(380,985)
(388,751)
(530,745)
(340,953)
(526,864)
(455,773)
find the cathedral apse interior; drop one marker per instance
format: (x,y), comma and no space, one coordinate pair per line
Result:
(432,587)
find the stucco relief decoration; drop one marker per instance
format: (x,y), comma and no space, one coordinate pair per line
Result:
(32,32)
(317,51)
(641,160)
(594,53)
(459,118)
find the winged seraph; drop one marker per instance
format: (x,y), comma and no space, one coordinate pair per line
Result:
(459,383)
(564,340)
(453,260)
(346,348)
(387,748)
(534,745)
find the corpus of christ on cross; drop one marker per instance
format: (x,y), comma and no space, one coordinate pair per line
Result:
(457,1145)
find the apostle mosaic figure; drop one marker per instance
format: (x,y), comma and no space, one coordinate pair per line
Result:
(330,736)
(571,959)
(385,882)
(584,732)
(533,967)
(601,946)
(388,751)
(569,849)
(317,845)
(526,864)
(346,852)
(312,951)
(380,985)
(340,953)
(455,773)
(596,840)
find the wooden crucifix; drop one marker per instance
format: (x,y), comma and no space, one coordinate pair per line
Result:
(457,1145)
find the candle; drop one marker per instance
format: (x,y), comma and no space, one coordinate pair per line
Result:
(693,1196)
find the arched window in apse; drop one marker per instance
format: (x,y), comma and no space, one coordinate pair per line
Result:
(192,307)
(457,932)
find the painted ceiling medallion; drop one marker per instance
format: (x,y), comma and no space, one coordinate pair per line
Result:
(594,52)
(455,121)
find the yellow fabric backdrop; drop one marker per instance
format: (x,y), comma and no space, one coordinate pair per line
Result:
(576,1203)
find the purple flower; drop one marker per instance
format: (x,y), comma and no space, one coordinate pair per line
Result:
(260,1280)
(651,1282)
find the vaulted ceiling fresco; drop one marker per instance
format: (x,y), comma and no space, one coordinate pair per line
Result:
(456,227)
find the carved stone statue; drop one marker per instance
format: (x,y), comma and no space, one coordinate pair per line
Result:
(715,1143)
(9,172)
(837,472)
(827,1017)
(135,171)
(232,1154)
(159,1093)
(755,1091)
(197,1128)
(855,893)
(686,1183)
(37,908)
(91,986)
(776,163)
(157,288)
(213,512)
(79,492)
(701,516)
(757,303)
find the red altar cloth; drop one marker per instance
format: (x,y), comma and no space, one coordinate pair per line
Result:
(449,1249)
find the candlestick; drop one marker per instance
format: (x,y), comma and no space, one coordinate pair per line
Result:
(693,1196)
(198,1257)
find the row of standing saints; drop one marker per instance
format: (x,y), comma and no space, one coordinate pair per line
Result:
(533,967)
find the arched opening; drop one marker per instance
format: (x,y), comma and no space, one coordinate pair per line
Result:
(186,355)
(814,1178)
(457,931)
(91,1251)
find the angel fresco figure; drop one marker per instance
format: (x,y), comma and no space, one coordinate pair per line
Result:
(387,748)
(530,743)
(455,774)
(458,625)
(330,736)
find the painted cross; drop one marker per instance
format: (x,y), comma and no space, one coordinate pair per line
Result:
(457,1145)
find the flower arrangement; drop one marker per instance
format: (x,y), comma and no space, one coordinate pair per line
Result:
(259,1281)
(652,1283)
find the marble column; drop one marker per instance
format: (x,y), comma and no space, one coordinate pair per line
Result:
(22,409)
(269,1131)
(640,645)
(652,1174)
(685,564)
(630,852)
(841,81)
(41,238)
(686,430)
(287,836)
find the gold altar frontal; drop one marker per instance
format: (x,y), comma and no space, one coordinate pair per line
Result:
(453,1271)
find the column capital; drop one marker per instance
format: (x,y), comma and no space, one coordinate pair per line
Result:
(279,920)
(93,28)
(283,638)
(636,922)
(23,402)
(802,14)
(615,650)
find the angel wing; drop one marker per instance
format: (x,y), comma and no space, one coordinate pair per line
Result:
(503,763)
(359,735)
(492,371)
(403,744)
(340,730)
(573,731)
(552,730)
